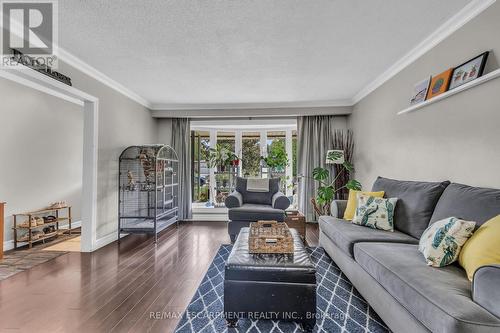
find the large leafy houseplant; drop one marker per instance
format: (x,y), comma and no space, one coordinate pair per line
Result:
(276,160)
(220,157)
(328,187)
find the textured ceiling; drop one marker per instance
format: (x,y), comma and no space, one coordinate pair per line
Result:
(246,51)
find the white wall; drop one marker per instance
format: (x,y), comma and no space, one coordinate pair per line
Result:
(164,130)
(454,139)
(122,122)
(41,151)
(457,138)
(42,144)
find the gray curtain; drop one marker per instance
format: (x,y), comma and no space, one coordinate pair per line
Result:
(181,138)
(315,136)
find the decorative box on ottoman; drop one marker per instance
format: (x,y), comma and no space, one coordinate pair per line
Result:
(270,286)
(266,237)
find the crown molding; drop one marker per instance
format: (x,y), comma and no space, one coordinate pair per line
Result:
(457,21)
(255,112)
(85,68)
(243,106)
(470,11)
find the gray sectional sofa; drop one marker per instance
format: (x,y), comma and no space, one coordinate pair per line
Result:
(390,272)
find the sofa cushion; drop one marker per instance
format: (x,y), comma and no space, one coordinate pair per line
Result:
(440,298)
(254,212)
(352,202)
(261,198)
(416,202)
(345,234)
(482,249)
(442,241)
(376,213)
(468,203)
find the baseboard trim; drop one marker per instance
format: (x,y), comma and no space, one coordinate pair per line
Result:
(108,239)
(8,245)
(76,224)
(209,217)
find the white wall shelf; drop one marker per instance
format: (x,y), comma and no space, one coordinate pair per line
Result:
(485,78)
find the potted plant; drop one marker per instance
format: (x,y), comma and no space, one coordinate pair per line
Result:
(219,157)
(327,188)
(276,161)
(234,160)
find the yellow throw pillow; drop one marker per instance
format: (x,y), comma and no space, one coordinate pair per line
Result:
(352,202)
(483,248)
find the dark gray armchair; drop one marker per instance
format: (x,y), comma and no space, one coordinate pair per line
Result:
(246,206)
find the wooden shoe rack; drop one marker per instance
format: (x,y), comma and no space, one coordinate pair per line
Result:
(28,232)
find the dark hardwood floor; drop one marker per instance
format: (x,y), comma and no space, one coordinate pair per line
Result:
(118,287)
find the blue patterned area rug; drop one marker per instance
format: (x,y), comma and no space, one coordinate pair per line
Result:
(340,308)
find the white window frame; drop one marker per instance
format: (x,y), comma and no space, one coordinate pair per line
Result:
(238,127)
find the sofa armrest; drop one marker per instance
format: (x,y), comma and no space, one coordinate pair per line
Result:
(280,201)
(337,208)
(485,291)
(234,200)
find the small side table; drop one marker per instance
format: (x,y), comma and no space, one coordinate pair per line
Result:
(297,220)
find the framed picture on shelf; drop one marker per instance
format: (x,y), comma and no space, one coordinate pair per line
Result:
(420,91)
(439,84)
(469,70)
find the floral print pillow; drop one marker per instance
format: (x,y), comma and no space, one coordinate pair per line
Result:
(441,241)
(376,213)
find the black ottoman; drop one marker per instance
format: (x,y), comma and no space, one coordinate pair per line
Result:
(270,286)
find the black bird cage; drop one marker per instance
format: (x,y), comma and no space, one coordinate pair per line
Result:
(148,193)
